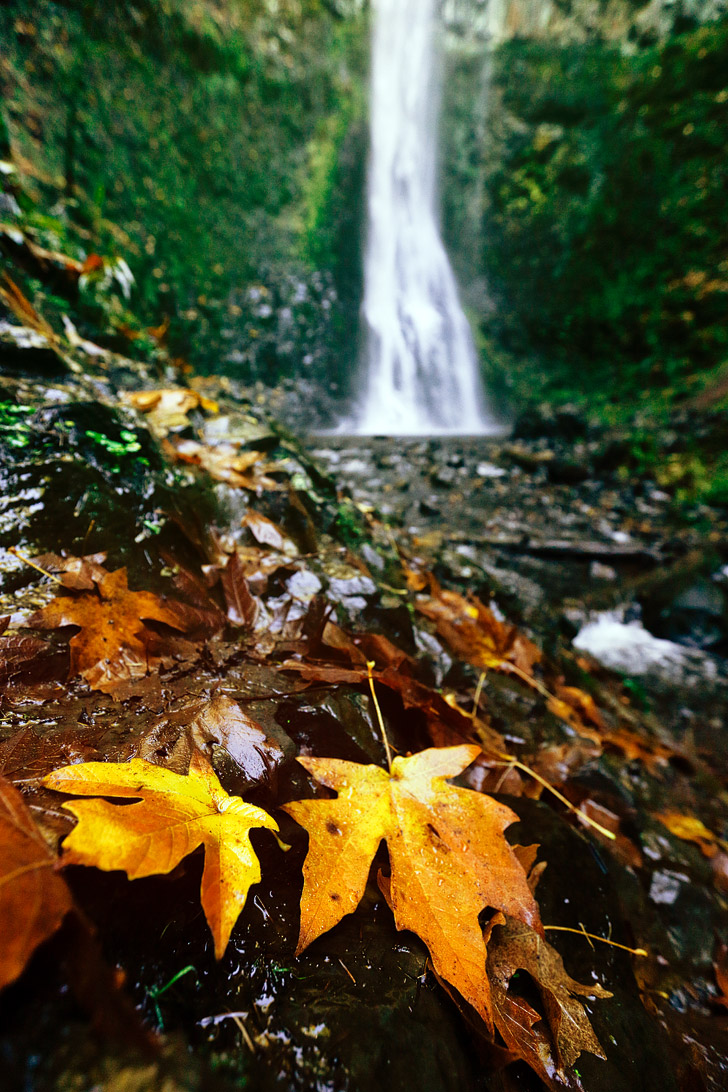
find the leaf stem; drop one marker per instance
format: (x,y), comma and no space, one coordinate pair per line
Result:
(380,719)
(592,936)
(476,699)
(512,761)
(21,557)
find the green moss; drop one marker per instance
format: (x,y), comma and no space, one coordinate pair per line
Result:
(348,525)
(194,127)
(602,230)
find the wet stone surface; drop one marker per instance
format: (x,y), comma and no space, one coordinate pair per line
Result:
(361,1009)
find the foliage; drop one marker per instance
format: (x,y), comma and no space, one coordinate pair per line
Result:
(113,645)
(212,133)
(604,227)
(174,815)
(31,891)
(447,850)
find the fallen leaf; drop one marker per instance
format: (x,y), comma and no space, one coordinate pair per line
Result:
(582,703)
(514,947)
(651,752)
(19,304)
(691,829)
(449,858)
(173,817)
(28,756)
(34,899)
(113,645)
(475,634)
(242,607)
(621,847)
(18,653)
(34,903)
(268,533)
(720,969)
(204,726)
(225,463)
(76,573)
(167,410)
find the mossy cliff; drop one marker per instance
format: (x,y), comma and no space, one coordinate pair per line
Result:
(598,182)
(220,149)
(228,142)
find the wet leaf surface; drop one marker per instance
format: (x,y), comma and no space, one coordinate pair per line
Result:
(34,899)
(448,857)
(269,660)
(174,815)
(113,646)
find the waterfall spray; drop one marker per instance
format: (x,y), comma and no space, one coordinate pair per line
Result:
(421,367)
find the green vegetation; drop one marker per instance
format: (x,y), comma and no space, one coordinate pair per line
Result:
(605,224)
(215,147)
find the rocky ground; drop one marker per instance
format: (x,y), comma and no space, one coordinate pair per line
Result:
(464,569)
(548,525)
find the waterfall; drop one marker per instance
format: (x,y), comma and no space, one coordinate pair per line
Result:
(422,373)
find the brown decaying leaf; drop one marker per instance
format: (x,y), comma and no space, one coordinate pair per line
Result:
(76,573)
(474,633)
(268,533)
(225,463)
(23,309)
(27,756)
(113,645)
(174,815)
(449,858)
(167,409)
(34,903)
(720,969)
(204,725)
(242,607)
(33,898)
(18,653)
(448,725)
(514,947)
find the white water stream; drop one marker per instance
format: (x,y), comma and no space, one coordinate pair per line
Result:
(421,373)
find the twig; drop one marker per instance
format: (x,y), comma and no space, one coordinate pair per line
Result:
(351,976)
(592,936)
(21,557)
(476,699)
(512,761)
(383,730)
(238,1020)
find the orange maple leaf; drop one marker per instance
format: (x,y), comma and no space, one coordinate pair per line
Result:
(113,644)
(473,632)
(33,898)
(448,856)
(173,816)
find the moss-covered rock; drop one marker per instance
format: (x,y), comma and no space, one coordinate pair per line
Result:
(225,140)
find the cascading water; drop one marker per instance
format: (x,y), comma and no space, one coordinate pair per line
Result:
(421,366)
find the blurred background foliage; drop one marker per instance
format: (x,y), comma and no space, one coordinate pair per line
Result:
(604,237)
(219,147)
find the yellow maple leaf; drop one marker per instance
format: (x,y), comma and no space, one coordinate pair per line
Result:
(174,816)
(449,857)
